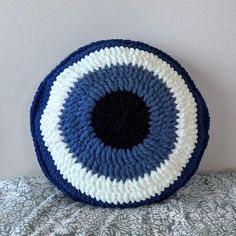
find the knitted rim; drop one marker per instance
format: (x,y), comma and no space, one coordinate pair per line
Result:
(119,123)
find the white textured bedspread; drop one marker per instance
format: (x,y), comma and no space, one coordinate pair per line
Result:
(205,206)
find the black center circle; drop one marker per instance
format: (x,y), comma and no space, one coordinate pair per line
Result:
(121,119)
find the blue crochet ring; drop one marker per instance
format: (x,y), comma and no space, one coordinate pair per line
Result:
(119,123)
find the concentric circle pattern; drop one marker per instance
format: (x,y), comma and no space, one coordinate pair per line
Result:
(119,123)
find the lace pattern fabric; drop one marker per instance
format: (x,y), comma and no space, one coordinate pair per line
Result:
(31,205)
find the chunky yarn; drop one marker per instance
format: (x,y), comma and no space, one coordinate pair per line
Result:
(119,123)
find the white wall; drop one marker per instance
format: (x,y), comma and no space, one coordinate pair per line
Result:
(36,35)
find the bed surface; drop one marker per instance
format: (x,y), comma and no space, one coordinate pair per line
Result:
(31,205)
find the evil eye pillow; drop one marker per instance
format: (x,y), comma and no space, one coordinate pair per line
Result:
(119,123)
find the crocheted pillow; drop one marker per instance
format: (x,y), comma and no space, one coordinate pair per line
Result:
(119,123)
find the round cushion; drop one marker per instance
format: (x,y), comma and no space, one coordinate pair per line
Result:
(119,123)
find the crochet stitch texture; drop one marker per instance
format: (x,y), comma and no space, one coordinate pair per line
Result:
(119,123)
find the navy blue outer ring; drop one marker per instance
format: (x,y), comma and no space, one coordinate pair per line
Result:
(41,98)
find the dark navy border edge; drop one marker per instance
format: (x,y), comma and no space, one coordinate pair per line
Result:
(40,101)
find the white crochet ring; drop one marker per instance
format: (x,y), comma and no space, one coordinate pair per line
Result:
(118,189)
